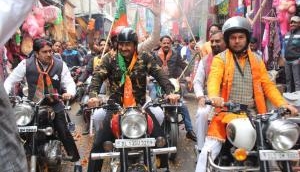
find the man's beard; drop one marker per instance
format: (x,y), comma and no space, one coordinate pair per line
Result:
(166,50)
(216,51)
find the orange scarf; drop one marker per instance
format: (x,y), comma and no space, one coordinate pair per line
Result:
(128,98)
(257,88)
(40,88)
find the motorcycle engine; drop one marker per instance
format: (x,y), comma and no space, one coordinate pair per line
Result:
(53,152)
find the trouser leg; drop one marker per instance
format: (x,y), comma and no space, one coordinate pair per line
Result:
(212,145)
(201,125)
(296,74)
(101,136)
(65,135)
(98,118)
(288,76)
(187,119)
(158,113)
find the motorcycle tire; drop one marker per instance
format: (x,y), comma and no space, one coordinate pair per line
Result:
(173,131)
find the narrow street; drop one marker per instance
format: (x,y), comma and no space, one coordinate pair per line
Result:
(185,161)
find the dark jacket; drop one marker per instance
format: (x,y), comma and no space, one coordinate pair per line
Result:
(144,65)
(292,47)
(175,65)
(72,58)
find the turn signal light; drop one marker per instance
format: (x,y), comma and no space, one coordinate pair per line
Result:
(160,142)
(108,146)
(240,154)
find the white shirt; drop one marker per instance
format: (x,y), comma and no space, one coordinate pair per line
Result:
(19,72)
(199,80)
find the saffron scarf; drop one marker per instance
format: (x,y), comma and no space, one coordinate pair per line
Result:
(40,87)
(128,98)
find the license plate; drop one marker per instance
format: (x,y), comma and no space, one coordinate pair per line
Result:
(266,155)
(27,129)
(132,143)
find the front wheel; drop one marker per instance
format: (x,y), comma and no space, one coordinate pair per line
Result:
(173,138)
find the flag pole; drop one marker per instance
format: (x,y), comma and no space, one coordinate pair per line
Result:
(190,30)
(185,18)
(107,38)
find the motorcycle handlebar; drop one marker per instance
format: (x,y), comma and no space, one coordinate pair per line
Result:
(114,106)
(163,103)
(234,107)
(226,104)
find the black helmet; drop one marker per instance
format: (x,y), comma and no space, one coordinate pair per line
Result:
(128,35)
(236,24)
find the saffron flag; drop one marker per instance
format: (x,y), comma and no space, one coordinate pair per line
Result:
(120,16)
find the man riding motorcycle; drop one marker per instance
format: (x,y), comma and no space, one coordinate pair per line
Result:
(237,75)
(173,65)
(217,45)
(126,72)
(47,75)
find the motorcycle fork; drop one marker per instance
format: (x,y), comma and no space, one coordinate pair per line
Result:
(147,153)
(33,157)
(264,165)
(123,153)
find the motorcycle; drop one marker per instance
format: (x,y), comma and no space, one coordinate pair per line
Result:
(172,118)
(133,150)
(41,144)
(171,123)
(254,141)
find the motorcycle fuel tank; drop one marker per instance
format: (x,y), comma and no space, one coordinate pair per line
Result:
(241,133)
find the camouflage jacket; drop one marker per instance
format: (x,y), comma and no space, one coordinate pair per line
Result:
(145,65)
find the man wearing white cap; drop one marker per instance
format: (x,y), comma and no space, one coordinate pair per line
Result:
(291,53)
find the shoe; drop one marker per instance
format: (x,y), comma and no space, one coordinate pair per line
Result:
(77,168)
(191,135)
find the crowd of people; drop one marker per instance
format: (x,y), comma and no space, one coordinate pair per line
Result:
(228,67)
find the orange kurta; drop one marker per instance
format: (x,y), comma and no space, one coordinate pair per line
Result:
(220,82)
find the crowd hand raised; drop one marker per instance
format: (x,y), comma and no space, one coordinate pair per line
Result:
(173,98)
(93,102)
(217,101)
(294,111)
(156,7)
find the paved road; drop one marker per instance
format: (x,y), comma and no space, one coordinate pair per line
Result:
(185,161)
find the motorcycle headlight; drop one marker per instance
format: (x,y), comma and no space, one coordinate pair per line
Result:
(24,114)
(282,134)
(133,124)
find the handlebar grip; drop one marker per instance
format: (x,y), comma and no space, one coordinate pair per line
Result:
(208,102)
